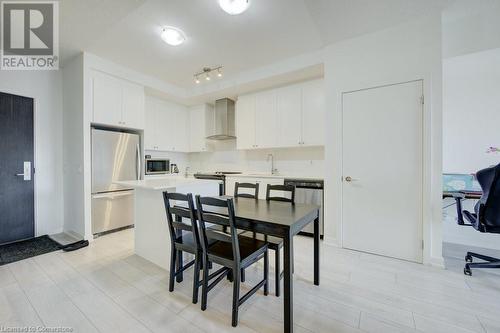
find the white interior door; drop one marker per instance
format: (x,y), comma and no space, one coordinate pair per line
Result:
(382,170)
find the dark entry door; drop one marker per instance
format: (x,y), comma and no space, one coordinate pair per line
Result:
(17,200)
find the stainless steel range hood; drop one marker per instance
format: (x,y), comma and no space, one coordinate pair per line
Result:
(223,122)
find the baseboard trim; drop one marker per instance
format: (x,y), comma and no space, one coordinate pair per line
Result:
(436,262)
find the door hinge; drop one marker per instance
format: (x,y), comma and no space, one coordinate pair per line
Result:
(422,99)
(422,244)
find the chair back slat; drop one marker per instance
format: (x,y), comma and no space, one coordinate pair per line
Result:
(181,215)
(181,211)
(209,201)
(223,216)
(250,186)
(182,226)
(290,189)
(216,219)
(176,196)
(218,235)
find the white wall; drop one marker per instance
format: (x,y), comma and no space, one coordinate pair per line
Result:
(45,87)
(471,118)
(402,53)
(73,146)
(471,26)
(471,111)
(304,161)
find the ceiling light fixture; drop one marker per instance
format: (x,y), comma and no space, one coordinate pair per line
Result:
(173,36)
(205,72)
(234,7)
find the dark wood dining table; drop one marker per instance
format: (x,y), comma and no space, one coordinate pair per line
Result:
(283,220)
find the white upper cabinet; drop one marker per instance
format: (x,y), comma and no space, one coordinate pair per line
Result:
(245,122)
(133,105)
(199,123)
(313,113)
(289,110)
(117,102)
(151,127)
(179,129)
(107,99)
(266,120)
(167,126)
(292,116)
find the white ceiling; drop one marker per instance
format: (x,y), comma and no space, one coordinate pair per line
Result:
(127,31)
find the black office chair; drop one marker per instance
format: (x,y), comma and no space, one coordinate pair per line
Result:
(486,217)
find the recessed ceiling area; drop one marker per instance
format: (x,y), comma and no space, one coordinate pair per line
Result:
(127,32)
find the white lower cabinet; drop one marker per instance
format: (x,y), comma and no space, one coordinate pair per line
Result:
(262,181)
(167,126)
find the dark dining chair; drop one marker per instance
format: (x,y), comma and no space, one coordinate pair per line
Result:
(486,216)
(255,195)
(274,243)
(232,251)
(184,238)
(249,186)
(290,189)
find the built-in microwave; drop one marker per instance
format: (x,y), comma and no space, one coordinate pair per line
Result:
(156,166)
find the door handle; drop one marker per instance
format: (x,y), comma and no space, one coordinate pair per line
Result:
(138,162)
(350,179)
(27,171)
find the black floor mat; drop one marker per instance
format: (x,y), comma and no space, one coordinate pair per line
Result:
(26,249)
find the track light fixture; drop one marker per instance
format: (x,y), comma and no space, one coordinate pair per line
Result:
(206,73)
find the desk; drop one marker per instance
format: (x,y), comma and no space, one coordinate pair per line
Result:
(466,194)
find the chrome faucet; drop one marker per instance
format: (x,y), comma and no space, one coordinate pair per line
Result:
(273,169)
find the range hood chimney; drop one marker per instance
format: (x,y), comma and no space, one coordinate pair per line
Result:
(223,122)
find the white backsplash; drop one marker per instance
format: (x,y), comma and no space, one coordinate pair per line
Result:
(304,161)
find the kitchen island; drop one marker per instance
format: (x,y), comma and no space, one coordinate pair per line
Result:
(152,239)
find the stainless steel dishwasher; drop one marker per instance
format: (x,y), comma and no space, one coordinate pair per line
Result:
(309,191)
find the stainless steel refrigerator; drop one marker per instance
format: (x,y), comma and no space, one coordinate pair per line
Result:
(116,156)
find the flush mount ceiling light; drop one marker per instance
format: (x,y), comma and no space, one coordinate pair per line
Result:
(234,7)
(173,36)
(206,73)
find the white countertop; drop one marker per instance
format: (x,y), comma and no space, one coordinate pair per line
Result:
(160,184)
(268,175)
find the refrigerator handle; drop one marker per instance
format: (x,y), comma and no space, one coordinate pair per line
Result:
(138,162)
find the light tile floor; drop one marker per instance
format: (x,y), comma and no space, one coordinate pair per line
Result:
(106,288)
